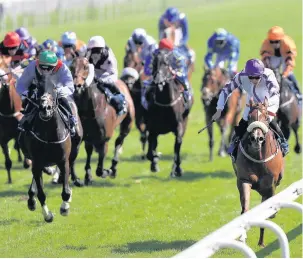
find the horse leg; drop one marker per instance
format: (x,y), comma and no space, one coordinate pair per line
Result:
(177,170)
(8,161)
(143,139)
(244,191)
(222,149)
(88,173)
(295,127)
(72,158)
(37,175)
(152,152)
(102,150)
(31,202)
(66,190)
(17,148)
(211,139)
(125,128)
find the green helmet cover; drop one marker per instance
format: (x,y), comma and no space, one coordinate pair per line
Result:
(48,58)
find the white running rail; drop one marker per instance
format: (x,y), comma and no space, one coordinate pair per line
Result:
(256,217)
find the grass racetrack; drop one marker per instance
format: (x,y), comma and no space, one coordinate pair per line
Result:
(140,214)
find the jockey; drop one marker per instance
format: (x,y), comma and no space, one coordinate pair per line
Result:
(178,68)
(72,46)
(48,64)
(31,42)
(258,82)
(142,43)
(106,72)
(54,47)
(227,48)
(14,47)
(172,18)
(279,49)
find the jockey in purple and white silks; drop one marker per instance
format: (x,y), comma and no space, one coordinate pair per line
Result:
(259,83)
(31,42)
(106,71)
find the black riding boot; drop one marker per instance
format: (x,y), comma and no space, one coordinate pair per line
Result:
(239,132)
(72,119)
(281,139)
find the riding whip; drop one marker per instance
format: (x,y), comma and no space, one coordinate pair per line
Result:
(209,124)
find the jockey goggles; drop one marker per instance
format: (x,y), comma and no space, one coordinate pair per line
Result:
(274,41)
(254,77)
(46,67)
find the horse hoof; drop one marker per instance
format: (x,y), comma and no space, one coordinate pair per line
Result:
(143,157)
(298,149)
(78,183)
(25,165)
(112,173)
(222,153)
(55,181)
(31,204)
(64,212)
(49,218)
(88,182)
(154,167)
(261,245)
(178,172)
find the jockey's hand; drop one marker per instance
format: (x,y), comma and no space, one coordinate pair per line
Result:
(217,115)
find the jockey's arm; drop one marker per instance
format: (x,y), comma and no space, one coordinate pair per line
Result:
(265,54)
(184,27)
(161,28)
(208,58)
(111,74)
(67,82)
(233,58)
(290,59)
(26,79)
(227,90)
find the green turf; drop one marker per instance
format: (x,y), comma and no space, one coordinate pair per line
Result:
(141,214)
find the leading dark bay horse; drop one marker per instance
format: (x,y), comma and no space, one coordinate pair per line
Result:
(212,82)
(47,143)
(167,111)
(99,118)
(288,115)
(259,164)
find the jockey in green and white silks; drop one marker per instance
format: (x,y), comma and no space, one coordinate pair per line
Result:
(48,64)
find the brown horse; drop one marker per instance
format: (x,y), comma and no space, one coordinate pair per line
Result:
(10,114)
(288,115)
(98,118)
(212,82)
(259,163)
(167,111)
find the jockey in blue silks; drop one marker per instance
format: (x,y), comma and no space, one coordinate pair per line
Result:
(53,46)
(172,18)
(226,47)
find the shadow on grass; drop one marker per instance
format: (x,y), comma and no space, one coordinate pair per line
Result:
(12,193)
(7,222)
(292,234)
(153,245)
(189,176)
(75,248)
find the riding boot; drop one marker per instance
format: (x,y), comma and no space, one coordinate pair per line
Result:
(72,119)
(239,132)
(281,139)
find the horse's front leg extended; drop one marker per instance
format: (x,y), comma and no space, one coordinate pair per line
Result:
(8,161)
(222,125)
(76,140)
(295,127)
(31,202)
(152,152)
(88,173)
(211,139)
(66,191)
(177,171)
(102,150)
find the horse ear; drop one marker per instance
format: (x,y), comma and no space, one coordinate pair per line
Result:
(265,102)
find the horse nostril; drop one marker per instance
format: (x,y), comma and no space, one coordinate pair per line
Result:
(261,139)
(48,108)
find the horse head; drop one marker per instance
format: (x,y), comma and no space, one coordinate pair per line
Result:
(161,71)
(258,125)
(130,77)
(212,82)
(47,94)
(80,71)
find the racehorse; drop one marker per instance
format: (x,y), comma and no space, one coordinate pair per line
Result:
(99,118)
(10,114)
(167,111)
(259,163)
(47,143)
(212,82)
(289,112)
